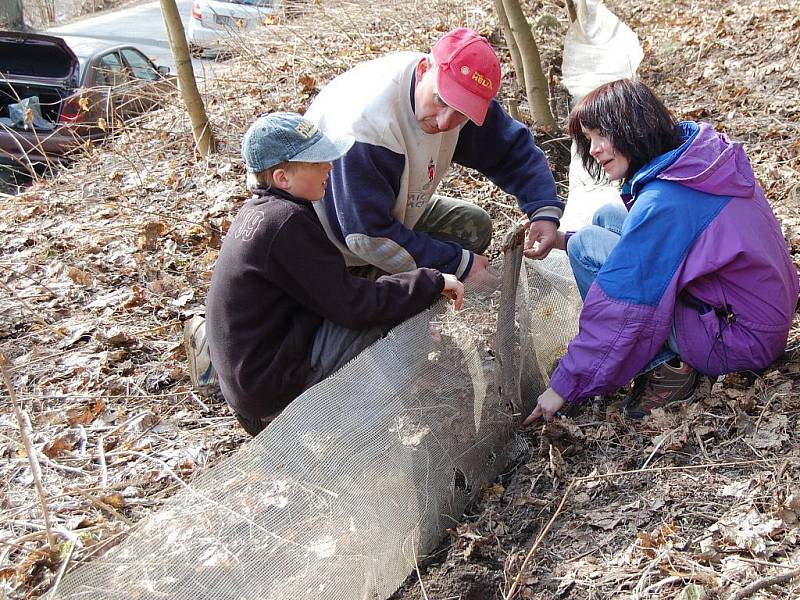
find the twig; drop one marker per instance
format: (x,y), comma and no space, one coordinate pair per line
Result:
(416,568)
(33,279)
(653,453)
(36,314)
(101,459)
(46,358)
(542,533)
(658,584)
(791,66)
(54,465)
(105,507)
(35,469)
(766,582)
(738,463)
(62,570)
(701,444)
(764,563)
(637,593)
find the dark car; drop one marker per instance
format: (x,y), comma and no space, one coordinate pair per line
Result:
(56,92)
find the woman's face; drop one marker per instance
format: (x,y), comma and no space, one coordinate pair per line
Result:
(602,150)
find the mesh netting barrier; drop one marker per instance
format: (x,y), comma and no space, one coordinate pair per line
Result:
(360,476)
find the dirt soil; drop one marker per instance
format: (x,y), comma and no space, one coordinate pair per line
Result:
(103,262)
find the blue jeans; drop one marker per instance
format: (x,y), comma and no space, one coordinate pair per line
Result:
(588,250)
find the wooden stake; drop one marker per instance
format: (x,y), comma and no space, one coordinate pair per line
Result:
(34,462)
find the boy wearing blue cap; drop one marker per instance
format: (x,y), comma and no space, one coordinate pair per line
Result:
(283,312)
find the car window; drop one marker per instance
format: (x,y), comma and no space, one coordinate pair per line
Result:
(109,70)
(140,66)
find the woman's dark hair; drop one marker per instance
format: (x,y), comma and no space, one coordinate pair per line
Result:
(629,114)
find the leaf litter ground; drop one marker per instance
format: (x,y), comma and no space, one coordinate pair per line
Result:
(103,261)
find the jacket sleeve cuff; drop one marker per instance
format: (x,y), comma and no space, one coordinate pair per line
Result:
(564,388)
(547,213)
(465,265)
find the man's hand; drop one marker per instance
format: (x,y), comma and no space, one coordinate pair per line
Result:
(547,405)
(453,289)
(479,274)
(542,237)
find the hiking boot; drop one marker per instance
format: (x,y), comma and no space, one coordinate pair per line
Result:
(201,371)
(665,385)
(250,425)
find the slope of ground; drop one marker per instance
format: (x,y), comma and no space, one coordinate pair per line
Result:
(101,264)
(696,503)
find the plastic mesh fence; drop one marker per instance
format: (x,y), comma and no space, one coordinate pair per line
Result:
(360,476)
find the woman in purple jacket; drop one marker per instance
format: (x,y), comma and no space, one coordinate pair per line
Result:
(691,276)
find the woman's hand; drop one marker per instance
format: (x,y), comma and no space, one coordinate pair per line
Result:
(547,405)
(453,289)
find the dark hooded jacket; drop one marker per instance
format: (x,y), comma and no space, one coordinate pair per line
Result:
(277,277)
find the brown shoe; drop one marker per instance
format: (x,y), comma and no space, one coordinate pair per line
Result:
(254,425)
(663,386)
(251,425)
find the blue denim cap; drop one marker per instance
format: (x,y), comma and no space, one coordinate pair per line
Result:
(285,136)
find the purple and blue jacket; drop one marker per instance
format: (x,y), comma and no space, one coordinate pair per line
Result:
(700,249)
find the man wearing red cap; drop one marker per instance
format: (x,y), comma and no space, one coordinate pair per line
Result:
(412,115)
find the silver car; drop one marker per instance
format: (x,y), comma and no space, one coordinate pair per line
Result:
(213,22)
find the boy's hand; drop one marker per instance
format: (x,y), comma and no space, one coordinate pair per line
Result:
(479,274)
(453,289)
(542,237)
(548,404)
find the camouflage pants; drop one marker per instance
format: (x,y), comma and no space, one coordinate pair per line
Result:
(451,220)
(448,220)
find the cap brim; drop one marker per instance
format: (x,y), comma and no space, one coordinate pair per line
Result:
(457,97)
(327,149)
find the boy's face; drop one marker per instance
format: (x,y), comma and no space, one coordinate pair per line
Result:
(308,180)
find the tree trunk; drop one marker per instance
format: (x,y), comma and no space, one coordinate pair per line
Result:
(516,59)
(11,15)
(573,14)
(535,82)
(201,128)
(49,10)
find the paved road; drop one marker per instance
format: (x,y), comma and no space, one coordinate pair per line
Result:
(141,26)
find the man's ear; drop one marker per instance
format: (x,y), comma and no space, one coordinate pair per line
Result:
(422,67)
(280,179)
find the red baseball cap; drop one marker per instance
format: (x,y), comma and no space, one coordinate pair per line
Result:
(468,72)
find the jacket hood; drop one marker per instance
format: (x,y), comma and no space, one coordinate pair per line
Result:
(707,161)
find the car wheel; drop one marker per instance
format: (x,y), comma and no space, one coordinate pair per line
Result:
(195,50)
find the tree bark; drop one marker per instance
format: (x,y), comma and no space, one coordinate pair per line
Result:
(516,59)
(535,81)
(11,16)
(201,128)
(49,11)
(573,14)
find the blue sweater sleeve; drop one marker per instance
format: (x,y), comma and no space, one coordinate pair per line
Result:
(362,193)
(504,150)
